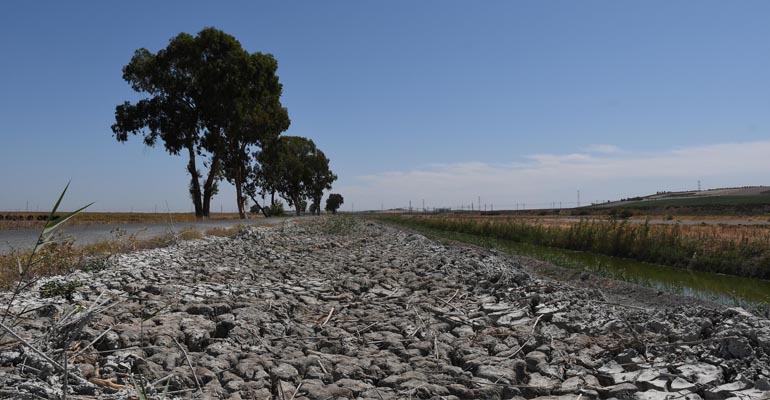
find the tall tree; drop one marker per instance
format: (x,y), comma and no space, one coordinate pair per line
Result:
(171,112)
(263,175)
(257,119)
(291,169)
(320,178)
(197,90)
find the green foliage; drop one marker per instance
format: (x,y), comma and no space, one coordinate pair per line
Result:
(205,96)
(341,225)
(758,199)
(275,210)
(256,117)
(320,177)
(294,167)
(695,205)
(333,202)
(60,288)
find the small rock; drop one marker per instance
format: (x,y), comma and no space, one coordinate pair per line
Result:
(285,372)
(701,373)
(621,391)
(679,384)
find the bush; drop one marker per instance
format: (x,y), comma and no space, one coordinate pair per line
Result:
(625,214)
(620,214)
(275,210)
(60,288)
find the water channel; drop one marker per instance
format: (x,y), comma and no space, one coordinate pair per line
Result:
(725,289)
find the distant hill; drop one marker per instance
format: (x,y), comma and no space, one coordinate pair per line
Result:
(749,197)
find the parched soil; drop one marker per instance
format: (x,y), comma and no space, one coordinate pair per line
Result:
(339,309)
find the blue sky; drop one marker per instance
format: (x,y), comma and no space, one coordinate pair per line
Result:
(444,101)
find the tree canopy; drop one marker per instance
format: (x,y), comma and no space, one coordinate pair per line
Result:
(296,169)
(333,202)
(208,97)
(321,178)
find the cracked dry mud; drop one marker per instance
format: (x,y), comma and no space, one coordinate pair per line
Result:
(339,309)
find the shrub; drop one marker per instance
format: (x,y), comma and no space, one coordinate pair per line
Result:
(60,288)
(275,210)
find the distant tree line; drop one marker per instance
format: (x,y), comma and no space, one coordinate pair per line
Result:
(19,217)
(211,100)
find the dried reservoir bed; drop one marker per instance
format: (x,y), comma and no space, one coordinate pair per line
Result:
(339,308)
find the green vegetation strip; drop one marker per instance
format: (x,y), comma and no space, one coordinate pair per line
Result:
(696,201)
(750,293)
(748,256)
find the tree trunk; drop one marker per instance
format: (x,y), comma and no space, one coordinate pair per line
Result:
(239,192)
(317,201)
(297,205)
(256,203)
(208,186)
(195,185)
(239,181)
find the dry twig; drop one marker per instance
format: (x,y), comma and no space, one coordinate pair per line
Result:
(189,363)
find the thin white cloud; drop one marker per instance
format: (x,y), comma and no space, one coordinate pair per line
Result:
(603,148)
(547,178)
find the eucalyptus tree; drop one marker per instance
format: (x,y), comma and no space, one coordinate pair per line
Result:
(257,119)
(170,112)
(209,97)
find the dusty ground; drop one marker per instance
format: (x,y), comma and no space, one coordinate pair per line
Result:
(345,309)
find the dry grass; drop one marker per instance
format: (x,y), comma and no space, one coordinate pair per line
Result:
(224,232)
(64,256)
(708,234)
(29,220)
(737,250)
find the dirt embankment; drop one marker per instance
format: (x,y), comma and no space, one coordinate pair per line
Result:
(300,312)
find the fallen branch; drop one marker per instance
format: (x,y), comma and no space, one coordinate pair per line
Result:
(108,383)
(328,317)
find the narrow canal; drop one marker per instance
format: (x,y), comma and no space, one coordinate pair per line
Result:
(725,289)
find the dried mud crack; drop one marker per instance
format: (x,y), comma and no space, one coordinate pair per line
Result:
(339,309)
